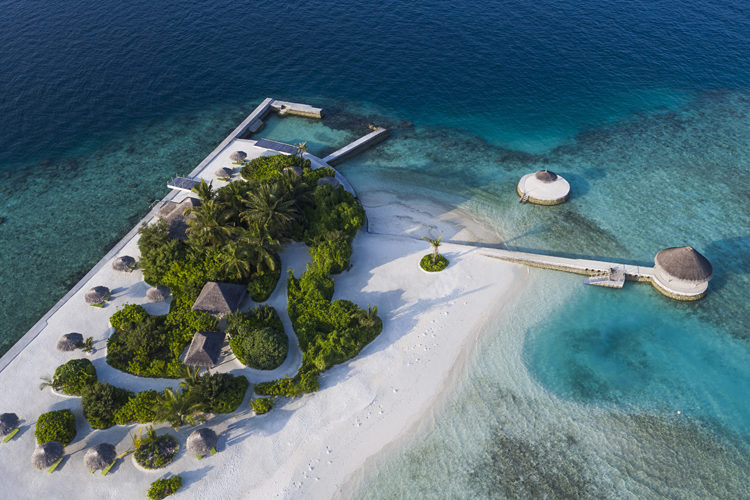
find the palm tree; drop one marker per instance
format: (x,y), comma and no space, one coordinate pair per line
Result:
(209,224)
(235,259)
(262,245)
(177,408)
(301,149)
(205,191)
(435,244)
(270,209)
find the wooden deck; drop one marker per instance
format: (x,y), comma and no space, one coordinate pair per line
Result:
(364,142)
(295,108)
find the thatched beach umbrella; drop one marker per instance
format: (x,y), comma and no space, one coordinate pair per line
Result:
(158,293)
(202,442)
(546,175)
(330,181)
(97,295)
(8,423)
(293,170)
(124,263)
(69,342)
(224,172)
(100,456)
(47,454)
(238,156)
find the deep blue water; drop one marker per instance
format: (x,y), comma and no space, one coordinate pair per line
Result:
(643,106)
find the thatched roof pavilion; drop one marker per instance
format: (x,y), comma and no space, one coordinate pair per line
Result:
(220,299)
(238,156)
(202,442)
(8,423)
(69,342)
(125,263)
(682,273)
(97,295)
(158,293)
(204,349)
(543,187)
(224,172)
(329,181)
(174,214)
(297,171)
(99,457)
(47,454)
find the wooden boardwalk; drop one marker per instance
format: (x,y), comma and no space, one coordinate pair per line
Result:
(364,142)
(588,267)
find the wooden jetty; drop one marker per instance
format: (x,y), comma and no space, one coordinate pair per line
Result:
(610,274)
(364,142)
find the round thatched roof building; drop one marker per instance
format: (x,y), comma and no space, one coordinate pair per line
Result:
(8,422)
(224,172)
(126,263)
(97,295)
(47,454)
(99,457)
(202,441)
(682,273)
(543,187)
(69,342)
(238,156)
(158,293)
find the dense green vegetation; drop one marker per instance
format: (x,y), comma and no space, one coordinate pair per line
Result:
(57,425)
(73,377)
(155,452)
(162,488)
(101,402)
(433,264)
(257,338)
(105,405)
(262,405)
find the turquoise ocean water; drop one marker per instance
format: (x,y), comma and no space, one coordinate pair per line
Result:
(643,106)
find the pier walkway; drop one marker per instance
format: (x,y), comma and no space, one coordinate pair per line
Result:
(364,142)
(295,108)
(588,267)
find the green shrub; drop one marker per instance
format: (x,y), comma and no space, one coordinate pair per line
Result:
(59,425)
(130,313)
(282,387)
(333,211)
(332,257)
(101,402)
(439,264)
(155,452)
(263,284)
(158,251)
(138,409)
(162,488)
(269,167)
(262,405)
(260,348)
(220,392)
(257,317)
(74,376)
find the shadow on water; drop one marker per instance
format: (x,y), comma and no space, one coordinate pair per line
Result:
(729,256)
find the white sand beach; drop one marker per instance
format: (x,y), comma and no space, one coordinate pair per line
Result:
(306,447)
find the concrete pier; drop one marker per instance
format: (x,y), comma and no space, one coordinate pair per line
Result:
(297,109)
(364,142)
(579,266)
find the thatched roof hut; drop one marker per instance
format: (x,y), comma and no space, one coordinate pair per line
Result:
(297,171)
(202,442)
(47,454)
(97,295)
(69,342)
(204,349)
(546,175)
(682,273)
(99,457)
(8,423)
(238,156)
(125,263)
(330,181)
(220,299)
(158,293)
(224,172)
